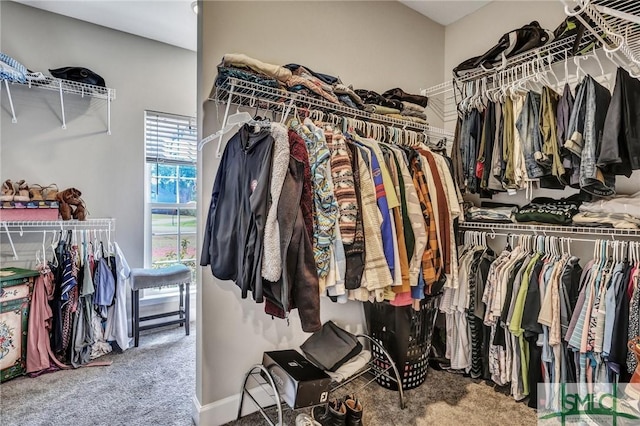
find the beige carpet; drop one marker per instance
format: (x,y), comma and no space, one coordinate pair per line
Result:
(152,384)
(443,399)
(155,383)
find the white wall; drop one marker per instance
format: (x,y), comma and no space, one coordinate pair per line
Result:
(146,74)
(374,45)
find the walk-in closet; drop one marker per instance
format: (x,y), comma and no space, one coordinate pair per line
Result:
(360,213)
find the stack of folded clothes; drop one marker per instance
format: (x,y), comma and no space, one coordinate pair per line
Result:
(13,71)
(396,104)
(621,212)
(300,79)
(490,212)
(550,211)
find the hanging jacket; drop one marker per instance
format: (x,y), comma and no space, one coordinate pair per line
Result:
(620,150)
(240,174)
(298,286)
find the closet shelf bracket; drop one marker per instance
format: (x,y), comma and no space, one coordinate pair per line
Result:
(13,111)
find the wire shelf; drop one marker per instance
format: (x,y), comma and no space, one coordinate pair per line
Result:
(18,225)
(557,51)
(619,20)
(71,87)
(245,93)
(535,228)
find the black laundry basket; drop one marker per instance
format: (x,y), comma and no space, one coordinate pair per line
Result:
(406,334)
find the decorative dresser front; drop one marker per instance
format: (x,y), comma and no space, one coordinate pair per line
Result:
(16,287)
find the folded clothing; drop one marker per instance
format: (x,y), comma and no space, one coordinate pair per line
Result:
(309,82)
(326,78)
(224,73)
(371,97)
(412,113)
(549,210)
(412,107)
(341,89)
(610,220)
(619,205)
(351,367)
(12,70)
(240,60)
(400,95)
(495,214)
(408,118)
(379,109)
(345,99)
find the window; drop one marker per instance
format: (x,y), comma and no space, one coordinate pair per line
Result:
(170,225)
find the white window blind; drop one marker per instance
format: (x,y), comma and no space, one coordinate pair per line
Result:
(170,139)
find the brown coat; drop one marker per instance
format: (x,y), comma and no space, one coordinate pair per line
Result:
(298,286)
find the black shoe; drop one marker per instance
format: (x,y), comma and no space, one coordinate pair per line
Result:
(354,412)
(333,414)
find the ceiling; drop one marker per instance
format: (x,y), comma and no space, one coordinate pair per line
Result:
(444,12)
(174,22)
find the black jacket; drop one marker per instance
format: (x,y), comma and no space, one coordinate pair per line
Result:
(620,150)
(241,173)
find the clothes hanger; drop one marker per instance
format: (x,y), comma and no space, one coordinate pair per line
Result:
(576,61)
(551,70)
(42,261)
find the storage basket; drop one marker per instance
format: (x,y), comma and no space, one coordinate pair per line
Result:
(406,334)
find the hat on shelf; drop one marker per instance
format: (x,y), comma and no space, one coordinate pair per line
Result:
(79,74)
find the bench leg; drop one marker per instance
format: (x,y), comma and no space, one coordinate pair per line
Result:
(186,309)
(136,317)
(181,308)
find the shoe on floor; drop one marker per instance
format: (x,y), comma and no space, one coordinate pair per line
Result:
(332,414)
(354,412)
(306,420)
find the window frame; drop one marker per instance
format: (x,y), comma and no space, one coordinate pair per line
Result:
(155,152)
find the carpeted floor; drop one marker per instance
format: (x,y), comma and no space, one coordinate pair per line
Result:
(445,399)
(150,385)
(154,385)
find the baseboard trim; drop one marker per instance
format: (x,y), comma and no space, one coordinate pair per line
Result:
(225,410)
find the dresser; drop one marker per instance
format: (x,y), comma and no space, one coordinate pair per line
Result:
(16,287)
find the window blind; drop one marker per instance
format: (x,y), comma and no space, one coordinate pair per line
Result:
(170,139)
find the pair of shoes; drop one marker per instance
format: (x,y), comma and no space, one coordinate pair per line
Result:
(71,205)
(15,191)
(347,412)
(7,191)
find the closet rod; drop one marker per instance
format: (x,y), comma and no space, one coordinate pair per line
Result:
(62,224)
(584,230)
(32,226)
(492,235)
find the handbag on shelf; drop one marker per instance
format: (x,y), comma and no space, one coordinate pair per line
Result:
(514,42)
(330,347)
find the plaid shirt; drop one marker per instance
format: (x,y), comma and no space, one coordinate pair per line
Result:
(431,259)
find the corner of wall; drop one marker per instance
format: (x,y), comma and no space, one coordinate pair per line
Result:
(226,410)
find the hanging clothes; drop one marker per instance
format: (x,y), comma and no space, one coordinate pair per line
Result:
(40,356)
(116,328)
